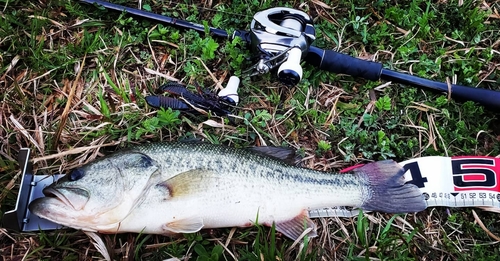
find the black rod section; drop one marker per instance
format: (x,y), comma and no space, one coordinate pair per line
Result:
(336,62)
(485,97)
(341,63)
(158,17)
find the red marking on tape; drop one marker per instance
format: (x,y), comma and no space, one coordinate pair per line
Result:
(476,173)
(349,169)
(472,177)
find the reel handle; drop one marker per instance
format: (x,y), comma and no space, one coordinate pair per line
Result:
(290,72)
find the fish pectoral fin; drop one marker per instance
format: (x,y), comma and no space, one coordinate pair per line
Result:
(189,182)
(294,228)
(188,225)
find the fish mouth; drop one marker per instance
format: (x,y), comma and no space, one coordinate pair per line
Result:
(73,197)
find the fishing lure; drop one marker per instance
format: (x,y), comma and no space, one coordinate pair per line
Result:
(202,101)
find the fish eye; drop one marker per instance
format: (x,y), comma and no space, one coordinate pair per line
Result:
(76,174)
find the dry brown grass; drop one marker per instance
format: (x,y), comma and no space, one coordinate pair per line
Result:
(55,110)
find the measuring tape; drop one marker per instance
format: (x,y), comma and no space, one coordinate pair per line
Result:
(465,181)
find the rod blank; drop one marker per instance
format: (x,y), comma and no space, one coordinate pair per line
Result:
(485,97)
(158,17)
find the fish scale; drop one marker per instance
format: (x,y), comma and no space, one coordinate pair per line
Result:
(199,159)
(183,187)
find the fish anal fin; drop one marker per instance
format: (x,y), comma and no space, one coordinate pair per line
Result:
(189,182)
(187,225)
(388,191)
(294,228)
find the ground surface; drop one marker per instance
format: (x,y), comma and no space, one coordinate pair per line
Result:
(74,77)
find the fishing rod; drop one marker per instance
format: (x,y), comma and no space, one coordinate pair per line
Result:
(283,37)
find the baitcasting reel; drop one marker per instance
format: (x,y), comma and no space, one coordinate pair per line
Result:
(282,37)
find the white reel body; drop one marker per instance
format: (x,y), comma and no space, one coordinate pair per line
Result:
(282,36)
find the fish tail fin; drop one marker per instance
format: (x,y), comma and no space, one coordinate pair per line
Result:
(388,191)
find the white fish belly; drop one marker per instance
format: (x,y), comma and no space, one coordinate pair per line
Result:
(238,200)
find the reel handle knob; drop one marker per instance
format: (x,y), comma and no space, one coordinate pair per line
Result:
(290,72)
(230,93)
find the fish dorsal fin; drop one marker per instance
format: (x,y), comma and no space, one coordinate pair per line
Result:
(187,225)
(191,140)
(294,228)
(287,155)
(189,182)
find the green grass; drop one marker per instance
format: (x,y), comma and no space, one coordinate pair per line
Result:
(333,120)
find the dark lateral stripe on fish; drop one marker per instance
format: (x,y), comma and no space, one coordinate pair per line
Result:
(326,181)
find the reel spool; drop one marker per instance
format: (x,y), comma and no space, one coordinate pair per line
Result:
(282,36)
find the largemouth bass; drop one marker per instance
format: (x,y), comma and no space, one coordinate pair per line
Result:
(164,188)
